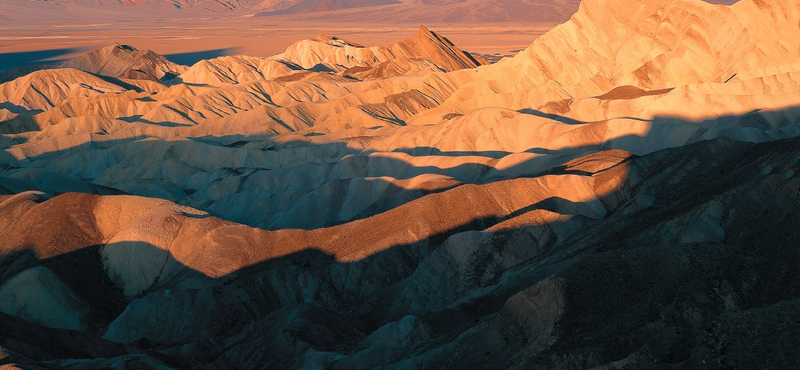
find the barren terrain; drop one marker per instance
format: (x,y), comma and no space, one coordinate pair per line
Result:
(189,41)
(622,193)
(34,31)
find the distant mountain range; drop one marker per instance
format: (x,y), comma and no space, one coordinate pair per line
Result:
(379,11)
(269,6)
(309,6)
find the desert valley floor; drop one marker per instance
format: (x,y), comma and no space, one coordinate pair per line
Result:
(621,191)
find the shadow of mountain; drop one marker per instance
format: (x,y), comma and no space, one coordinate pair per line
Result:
(10,61)
(358,166)
(13,108)
(190,58)
(27,343)
(353,167)
(554,117)
(138,118)
(663,277)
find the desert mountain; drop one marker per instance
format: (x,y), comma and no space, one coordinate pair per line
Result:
(119,61)
(323,109)
(190,5)
(622,193)
(125,61)
(433,11)
(308,6)
(376,12)
(424,53)
(441,11)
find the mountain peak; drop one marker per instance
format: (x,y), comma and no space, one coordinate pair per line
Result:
(116,60)
(334,41)
(122,47)
(126,61)
(424,52)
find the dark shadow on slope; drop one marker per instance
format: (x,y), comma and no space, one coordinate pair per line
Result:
(634,256)
(22,122)
(337,154)
(498,154)
(358,162)
(614,292)
(30,344)
(628,288)
(190,58)
(567,120)
(320,68)
(54,182)
(433,151)
(13,108)
(554,117)
(117,80)
(138,118)
(82,270)
(13,60)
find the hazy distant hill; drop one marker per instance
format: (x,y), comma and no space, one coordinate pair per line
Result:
(213,5)
(437,11)
(361,11)
(308,6)
(433,11)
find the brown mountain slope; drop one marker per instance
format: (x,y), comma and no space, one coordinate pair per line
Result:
(382,140)
(125,61)
(423,53)
(120,61)
(518,274)
(653,46)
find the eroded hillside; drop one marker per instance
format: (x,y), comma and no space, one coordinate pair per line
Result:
(621,194)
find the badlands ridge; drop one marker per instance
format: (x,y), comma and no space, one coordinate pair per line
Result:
(622,194)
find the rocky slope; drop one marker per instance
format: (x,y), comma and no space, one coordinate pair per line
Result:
(339,60)
(621,194)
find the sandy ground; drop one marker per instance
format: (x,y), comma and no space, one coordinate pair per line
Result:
(188,40)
